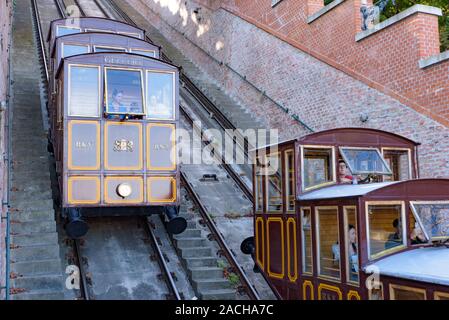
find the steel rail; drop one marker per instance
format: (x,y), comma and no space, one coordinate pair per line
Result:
(79,7)
(208,105)
(249,288)
(60,8)
(41,38)
(161,261)
(79,258)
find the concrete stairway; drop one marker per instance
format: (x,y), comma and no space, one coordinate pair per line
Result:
(35,262)
(239,116)
(198,257)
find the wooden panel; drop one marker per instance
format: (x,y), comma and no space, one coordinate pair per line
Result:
(275,248)
(260,242)
(292,257)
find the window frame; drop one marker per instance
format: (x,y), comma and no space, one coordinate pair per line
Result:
(173,73)
(74,44)
(334,169)
(393,286)
(66,27)
(437,295)
(345,229)
(317,244)
(404,229)
(257,192)
(267,179)
(130,34)
(98,30)
(418,219)
(341,149)
(287,180)
(142,85)
(303,258)
(70,93)
(409,155)
(381,289)
(109,47)
(143,50)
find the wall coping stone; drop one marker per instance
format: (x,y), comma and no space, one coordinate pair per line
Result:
(424,63)
(324,10)
(417,8)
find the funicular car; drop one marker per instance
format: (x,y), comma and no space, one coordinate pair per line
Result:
(340,214)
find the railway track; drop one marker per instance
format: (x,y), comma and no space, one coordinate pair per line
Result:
(194,93)
(157,254)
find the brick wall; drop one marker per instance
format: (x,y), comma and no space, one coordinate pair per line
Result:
(317,90)
(5,29)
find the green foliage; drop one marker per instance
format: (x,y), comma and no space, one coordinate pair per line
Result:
(401,5)
(233,279)
(326,2)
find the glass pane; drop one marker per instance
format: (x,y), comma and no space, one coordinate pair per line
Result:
(317,167)
(150,54)
(130,34)
(306,222)
(376,293)
(290,176)
(351,245)
(84,91)
(328,244)
(399,163)
(109,49)
(417,236)
(274,183)
(385,227)
(365,161)
(404,293)
(62,31)
(160,95)
(124,91)
(69,50)
(434,218)
(259,189)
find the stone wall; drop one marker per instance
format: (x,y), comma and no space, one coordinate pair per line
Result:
(233,52)
(5,36)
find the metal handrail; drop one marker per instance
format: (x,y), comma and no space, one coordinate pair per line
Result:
(162,264)
(252,293)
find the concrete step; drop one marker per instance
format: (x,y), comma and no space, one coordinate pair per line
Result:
(34,239)
(42,267)
(33,194)
(194,262)
(28,227)
(33,205)
(38,252)
(44,283)
(32,185)
(29,216)
(202,285)
(191,242)
(206,273)
(189,233)
(196,252)
(220,294)
(56,295)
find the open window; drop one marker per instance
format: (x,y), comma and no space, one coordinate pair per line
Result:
(432,219)
(385,228)
(147,53)
(108,49)
(306,225)
(84,91)
(318,167)
(160,95)
(99,30)
(365,161)
(328,247)
(124,91)
(400,163)
(69,50)
(64,30)
(274,179)
(352,246)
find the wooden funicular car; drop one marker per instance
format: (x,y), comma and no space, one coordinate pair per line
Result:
(113,118)
(340,214)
